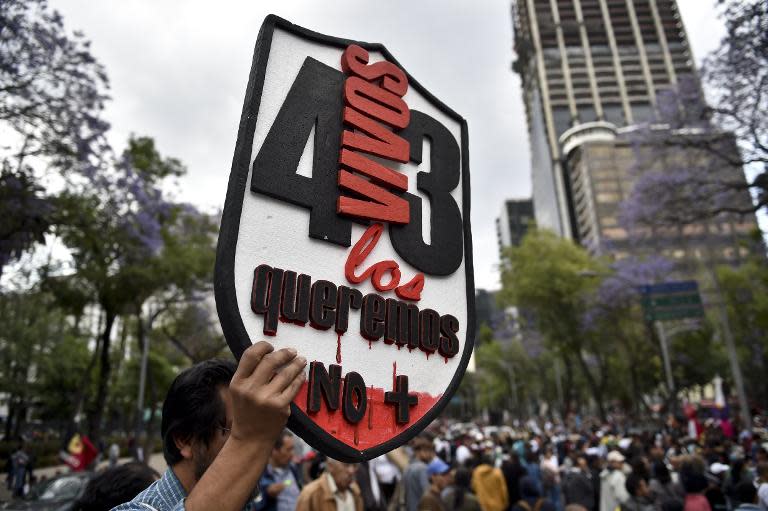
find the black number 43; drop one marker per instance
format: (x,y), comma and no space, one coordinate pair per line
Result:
(315,100)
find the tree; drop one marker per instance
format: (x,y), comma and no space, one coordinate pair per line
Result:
(554,290)
(720,141)
(614,317)
(129,242)
(745,290)
(29,327)
(52,94)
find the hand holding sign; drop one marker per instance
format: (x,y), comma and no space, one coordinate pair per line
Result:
(262,395)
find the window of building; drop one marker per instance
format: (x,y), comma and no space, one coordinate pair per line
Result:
(615,233)
(642,112)
(562,119)
(613,113)
(587,113)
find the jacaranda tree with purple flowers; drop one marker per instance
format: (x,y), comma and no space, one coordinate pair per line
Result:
(52,94)
(714,142)
(129,242)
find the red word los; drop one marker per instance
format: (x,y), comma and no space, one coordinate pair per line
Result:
(374,106)
(379,271)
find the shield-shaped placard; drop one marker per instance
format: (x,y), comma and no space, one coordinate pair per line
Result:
(345,234)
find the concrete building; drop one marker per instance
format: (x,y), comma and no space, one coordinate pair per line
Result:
(593,73)
(596,62)
(513,222)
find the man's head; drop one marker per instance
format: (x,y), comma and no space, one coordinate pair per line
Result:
(439,473)
(282,452)
(615,460)
(424,448)
(115,486)
(762,471)
(197,414)
(636,486)
(746,493)
(343,474)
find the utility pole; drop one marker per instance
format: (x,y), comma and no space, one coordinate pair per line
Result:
(733,358)
(144,339)
(667,363)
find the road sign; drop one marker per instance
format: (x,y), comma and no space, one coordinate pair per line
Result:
(671,301)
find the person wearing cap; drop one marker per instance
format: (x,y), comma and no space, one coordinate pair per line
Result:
(613,491)
(439,479)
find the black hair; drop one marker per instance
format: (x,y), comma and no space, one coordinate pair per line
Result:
(745,492)
(692,476)
(283,435)
(633,483)
(116,486)
(661,472)
(737,471)
(529,489)
(462,479)
(672,505)
(193,408)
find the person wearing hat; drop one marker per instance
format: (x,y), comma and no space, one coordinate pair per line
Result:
(439,479)
(613,491)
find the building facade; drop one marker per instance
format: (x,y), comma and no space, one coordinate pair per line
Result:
(597,76)
(511,225)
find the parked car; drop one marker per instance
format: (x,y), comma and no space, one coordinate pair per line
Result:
(57,494)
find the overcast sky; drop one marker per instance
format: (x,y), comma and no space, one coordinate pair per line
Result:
(178,72)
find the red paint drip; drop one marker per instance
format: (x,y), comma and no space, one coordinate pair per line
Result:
(394,375)
(369,344)
(338,348)
(382,423)
(446,359)
(370,411)
(428,354)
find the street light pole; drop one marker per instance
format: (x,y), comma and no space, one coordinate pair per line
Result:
(667,363)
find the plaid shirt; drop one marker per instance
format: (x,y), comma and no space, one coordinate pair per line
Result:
(165,494)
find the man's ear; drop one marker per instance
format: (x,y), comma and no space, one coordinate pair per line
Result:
(184,445)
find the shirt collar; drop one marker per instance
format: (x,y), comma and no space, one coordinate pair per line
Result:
(170,483)
(331,484)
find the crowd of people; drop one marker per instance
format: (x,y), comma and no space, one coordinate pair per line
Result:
(226,448)
(453,467)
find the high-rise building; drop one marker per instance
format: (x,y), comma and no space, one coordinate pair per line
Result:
(513,222)
(592,71)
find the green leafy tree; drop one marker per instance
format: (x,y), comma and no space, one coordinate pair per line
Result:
(545,275)
(29,327)
(745,290)
(130,243)
(52,95)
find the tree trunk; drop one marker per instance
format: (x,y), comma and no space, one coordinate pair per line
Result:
(593,386)
(149,441)
(95,417)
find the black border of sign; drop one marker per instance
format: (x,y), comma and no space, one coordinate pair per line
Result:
(224,286)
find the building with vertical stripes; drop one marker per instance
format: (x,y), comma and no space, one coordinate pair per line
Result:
(592,72)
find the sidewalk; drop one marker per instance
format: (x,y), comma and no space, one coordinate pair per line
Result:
(156,461)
